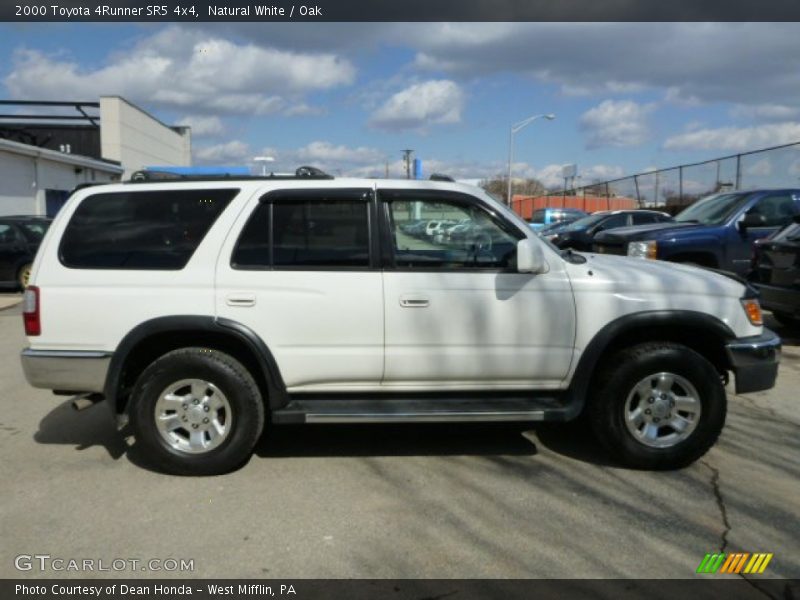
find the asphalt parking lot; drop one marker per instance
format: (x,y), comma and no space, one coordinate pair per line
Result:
(411,501)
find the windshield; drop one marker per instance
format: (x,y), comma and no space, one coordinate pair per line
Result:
(34,231)
(584,223)
(712,210)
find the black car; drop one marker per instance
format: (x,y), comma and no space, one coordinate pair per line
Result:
(20,237)
(776,273)
(579,234)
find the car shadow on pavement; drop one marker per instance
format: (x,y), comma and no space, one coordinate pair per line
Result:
(93,426)
(412,439)
(573,440)
(789,335)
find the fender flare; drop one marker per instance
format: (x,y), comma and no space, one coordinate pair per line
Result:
(201,324)
(697,322)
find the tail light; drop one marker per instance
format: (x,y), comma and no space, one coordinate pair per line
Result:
(31,303)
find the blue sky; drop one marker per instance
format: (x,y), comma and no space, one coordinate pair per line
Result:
(350,96)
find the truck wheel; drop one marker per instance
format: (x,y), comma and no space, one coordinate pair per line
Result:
(196,411)
(659,405)
(24,276)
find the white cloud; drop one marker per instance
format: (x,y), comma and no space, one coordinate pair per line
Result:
(327,152)
(203,126)
(420,105)
(600,173)
(179,68)
(736,139)
(768,112)
(230,153)
(616,123)
(691,62)
(761,168)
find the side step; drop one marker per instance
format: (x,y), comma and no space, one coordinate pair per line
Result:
(420,410)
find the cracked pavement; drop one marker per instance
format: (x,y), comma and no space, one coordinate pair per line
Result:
(451,501)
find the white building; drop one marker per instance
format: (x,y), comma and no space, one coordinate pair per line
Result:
(37,181)
(42,162)
(137,140)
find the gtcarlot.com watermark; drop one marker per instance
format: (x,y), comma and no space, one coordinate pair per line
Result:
(46,563)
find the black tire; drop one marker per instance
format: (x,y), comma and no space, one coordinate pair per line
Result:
(240,391)
(786,319)
(23,276)
(607,408)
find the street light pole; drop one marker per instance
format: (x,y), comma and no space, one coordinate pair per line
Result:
(514,129)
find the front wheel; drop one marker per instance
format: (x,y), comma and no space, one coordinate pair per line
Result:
(659,406)
(196,411)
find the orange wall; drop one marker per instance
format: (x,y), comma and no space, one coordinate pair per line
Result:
(525,205)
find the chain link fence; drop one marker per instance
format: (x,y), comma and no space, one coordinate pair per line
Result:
(673,188)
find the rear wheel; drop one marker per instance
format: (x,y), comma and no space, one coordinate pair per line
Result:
(24,276)
(660,406)
(196,411)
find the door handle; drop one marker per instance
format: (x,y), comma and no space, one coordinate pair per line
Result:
(240,299)
(414,301)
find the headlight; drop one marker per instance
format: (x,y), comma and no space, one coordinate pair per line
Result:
(646,249)
(752,309)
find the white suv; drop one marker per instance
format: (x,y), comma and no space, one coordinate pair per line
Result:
(199,309)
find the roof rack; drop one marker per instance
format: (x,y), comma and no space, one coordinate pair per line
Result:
(304,172)
(441,177)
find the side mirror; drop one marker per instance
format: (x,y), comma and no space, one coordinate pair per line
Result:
(530,258)
(752,220)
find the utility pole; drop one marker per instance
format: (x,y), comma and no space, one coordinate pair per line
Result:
(407,157)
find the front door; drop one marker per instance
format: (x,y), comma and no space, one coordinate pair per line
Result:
(777,210)
(458,315)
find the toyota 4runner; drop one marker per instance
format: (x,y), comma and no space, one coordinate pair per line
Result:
(199,310)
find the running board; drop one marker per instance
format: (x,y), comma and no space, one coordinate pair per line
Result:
(419,410)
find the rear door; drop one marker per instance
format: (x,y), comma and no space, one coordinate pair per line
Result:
(458,314)
(303,275)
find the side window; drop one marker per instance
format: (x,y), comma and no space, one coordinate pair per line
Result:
(252,249)
(305,233)
(455,235)
(538,216)
(141,230)
(614,221)
(777,209)
(320,233)
(644,218)
(7,234)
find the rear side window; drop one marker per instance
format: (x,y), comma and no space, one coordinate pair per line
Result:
(157,230)
(306,232)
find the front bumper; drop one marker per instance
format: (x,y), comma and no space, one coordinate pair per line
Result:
(66,370)
(754,361)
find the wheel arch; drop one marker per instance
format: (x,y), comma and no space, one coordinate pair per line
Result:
(703,333)
(154,338)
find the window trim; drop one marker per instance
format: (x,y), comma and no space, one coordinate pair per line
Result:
(366,195)
(387,195)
